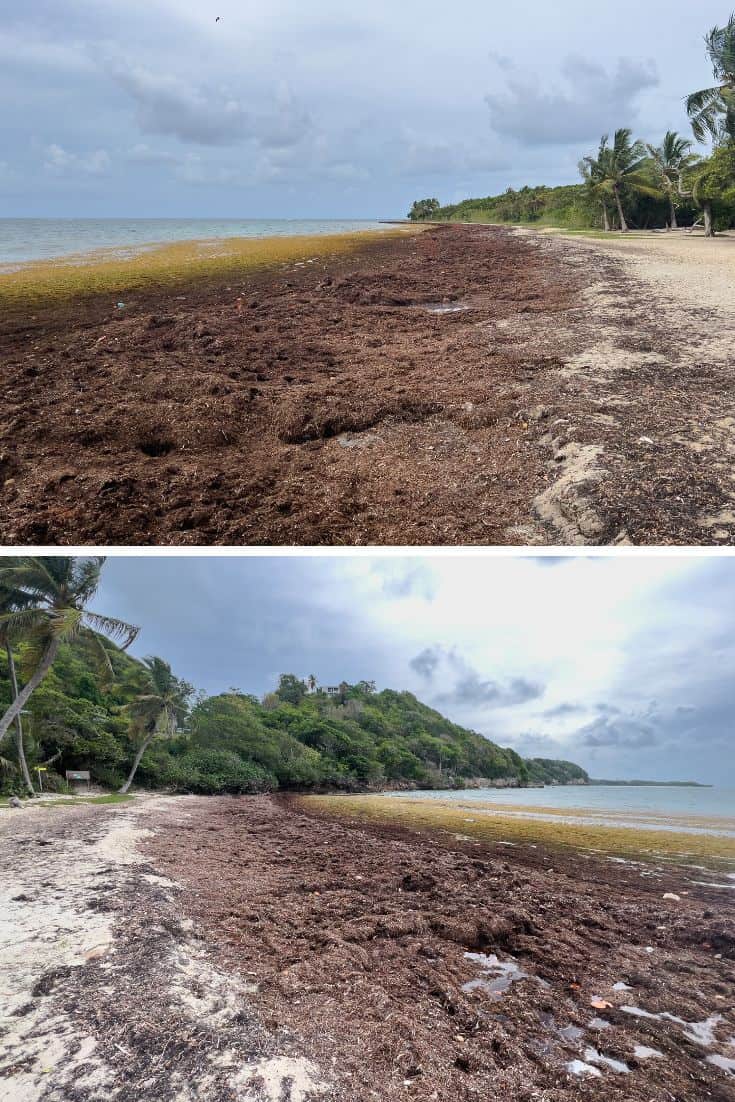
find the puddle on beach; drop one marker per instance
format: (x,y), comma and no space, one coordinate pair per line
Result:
(701,1033)
(446,307)
(504,973)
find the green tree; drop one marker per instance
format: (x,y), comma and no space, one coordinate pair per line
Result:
(54,591)
(291,690)
(618,167)
(712,110)
(424,209)
(13,601)
(670,161)
(714,186)
(156,712)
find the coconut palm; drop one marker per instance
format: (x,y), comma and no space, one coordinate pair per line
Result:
(157,712)
(12,601)
(712,110)
(51,595)
(619,166)
(592,172)
(670,161)
(312,682)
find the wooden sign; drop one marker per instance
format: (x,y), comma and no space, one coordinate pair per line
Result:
(78,775)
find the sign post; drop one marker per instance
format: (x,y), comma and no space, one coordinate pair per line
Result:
(76,776)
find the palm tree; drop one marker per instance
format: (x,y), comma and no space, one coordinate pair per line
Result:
(712,111)
(617,166)
(593,175)
(311,681)
(157,712)
(670,160)
(11,601)
(51,595)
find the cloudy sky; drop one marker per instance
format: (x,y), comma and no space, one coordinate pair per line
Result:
(321,109)
(625,665)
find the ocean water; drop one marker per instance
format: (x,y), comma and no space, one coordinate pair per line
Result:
(23,239)
(623,803)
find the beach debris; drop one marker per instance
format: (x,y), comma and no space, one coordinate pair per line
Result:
(620,986)
(599,1023)
(120,306)
(15,802)
(645,440)
(673,897)
(600,1004)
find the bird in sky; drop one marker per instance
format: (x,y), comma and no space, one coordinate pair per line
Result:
(218,19)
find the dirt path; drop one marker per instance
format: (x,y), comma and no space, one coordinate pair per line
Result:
(642,427)
(106,990)
(459,972)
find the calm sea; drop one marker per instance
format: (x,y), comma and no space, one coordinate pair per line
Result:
(674,802)
(23,239)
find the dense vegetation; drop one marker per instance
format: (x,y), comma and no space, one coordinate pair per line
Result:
(96,708)
(629,184)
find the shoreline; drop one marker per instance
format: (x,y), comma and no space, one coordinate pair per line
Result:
(184,948)
(459,386)
(120,269)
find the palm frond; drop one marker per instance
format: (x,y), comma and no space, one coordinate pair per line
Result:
(113,628)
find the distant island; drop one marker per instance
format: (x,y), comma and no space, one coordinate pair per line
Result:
(650,784)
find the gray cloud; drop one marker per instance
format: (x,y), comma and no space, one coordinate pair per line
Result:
(427,662)
(592,100)
(169,105)
(631,733)
(472,689)
(559,711)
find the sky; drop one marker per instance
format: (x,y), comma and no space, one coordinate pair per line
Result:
(625,665)
(153,108)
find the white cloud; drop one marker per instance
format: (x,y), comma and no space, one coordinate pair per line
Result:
(60,161)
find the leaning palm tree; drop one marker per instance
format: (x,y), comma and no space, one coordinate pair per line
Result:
(617,167)
(712,110)
(13,601)
(156,712)
(54,591)
(670,161)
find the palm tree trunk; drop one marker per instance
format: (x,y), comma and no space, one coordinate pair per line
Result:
(674,223)
(605,218)
(17,705)
(19,723)
(623,223)
(136,763)
(709,229)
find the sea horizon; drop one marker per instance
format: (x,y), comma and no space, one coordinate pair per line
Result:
(23,240)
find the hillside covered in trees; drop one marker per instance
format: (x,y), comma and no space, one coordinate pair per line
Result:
(82,718)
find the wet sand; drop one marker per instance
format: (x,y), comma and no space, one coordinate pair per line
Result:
(463,385)
(184,948)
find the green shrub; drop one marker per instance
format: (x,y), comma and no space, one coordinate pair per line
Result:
(208,771)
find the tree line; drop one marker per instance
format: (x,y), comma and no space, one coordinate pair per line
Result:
(72,697)
(627,182)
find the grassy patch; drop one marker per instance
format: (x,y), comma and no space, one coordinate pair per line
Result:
(498,826)
(118,273)
(73,801)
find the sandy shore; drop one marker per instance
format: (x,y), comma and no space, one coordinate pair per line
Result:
(236,950)
(463,385)
(107,991)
